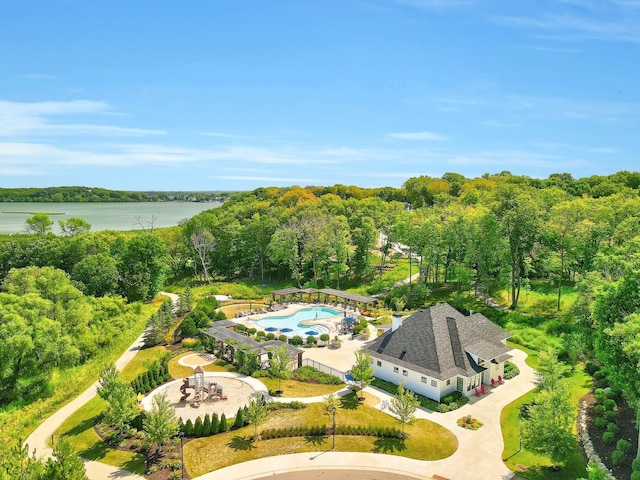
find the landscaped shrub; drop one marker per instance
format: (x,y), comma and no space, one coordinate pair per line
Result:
(295,405)
(623,445)
(312,375)
(188,428)
(206,426)
(452,398)
(190,343)
(156,374)
(635,475)
(295,340)
(469,423)
(241,328)
(608,437)
(599,394)
(252,331)
(197,427)
(635,465)
(215,424)
(239,421)
(261,334)
(591,367)
(617,457)
(223,424)
(311,340)
(610,404)
(612,427)
(611,416)
(424,401)
(601,422)
(599,409)
(260,374)
(271,336)
(283,338)
(510,370)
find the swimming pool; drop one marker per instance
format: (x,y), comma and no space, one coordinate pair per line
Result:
(293,321)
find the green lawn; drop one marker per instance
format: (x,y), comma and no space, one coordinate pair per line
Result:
(78,429)
(142,361)
(427,440)
(579,384)
(295,389)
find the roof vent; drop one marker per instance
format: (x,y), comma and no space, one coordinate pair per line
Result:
(470,312)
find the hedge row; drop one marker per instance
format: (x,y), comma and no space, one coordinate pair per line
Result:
(211,425)
(157,374)
(322,430)
(451,402)
(313,375)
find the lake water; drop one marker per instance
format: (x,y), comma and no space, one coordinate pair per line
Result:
(103,216)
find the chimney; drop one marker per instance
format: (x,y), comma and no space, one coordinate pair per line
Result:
(396,321)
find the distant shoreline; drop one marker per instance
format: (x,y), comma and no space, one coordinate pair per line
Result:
(36,213)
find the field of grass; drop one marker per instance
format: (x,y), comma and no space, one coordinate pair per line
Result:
(181,371)
(427,440)
(295,389)
(78,429)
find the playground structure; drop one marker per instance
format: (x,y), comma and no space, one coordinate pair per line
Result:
(209,391)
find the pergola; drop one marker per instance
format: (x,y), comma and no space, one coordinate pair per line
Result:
(229,341)
(350,299)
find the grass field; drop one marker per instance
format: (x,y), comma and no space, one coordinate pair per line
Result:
(427,440)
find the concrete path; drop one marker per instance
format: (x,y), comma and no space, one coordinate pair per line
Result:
(39,437)
(479,454)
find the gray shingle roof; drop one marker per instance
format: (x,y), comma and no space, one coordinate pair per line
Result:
(435,342)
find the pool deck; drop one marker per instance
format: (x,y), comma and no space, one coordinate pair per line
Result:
(331,322)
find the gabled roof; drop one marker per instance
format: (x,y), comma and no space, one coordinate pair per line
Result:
(440,342)
(221,332)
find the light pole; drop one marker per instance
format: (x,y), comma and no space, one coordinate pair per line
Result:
(181,435)
(333,430)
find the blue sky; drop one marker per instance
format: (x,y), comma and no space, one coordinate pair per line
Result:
(237,94)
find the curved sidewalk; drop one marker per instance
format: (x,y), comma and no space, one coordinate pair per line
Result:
(39,437)
(479,453)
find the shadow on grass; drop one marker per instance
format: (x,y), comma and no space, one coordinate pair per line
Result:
(315,439)
(350,402)
(241,443)
(96,451)
(389,445)
(83,426)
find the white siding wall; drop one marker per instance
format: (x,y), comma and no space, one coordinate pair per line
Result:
(413,380)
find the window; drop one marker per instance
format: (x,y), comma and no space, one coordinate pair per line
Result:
(434,383)
(460,384)
(395,369)
(423,379)
(448,381)
(405,373)
(379,363)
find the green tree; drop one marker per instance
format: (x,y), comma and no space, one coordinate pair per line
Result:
(239,420)
(330,406)
(39,224)
(403,405)
(97,274)
(223,423)
(121,408)
(74,226)
(362,370)
(550,371)
(142,266)
(549,428)
(518,213)
(160,423)
(256,413)
(66,464)
(280,364)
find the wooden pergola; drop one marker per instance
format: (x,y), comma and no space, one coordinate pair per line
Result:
(330,295)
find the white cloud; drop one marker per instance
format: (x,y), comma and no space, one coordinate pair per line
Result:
(423,136)
(34,119)
(571,27)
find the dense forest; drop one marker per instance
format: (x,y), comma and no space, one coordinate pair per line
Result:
(85,194)
(476,237)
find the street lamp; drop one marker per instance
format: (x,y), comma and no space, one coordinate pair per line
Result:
(181,435)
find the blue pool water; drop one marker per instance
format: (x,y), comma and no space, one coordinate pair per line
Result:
(293,321)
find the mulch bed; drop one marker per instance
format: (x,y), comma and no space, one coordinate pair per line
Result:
(626,421)
(168,451)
